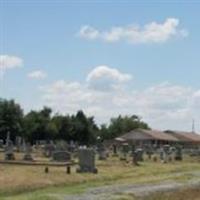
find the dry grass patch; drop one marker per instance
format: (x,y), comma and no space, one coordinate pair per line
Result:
(17,179)
(184,194)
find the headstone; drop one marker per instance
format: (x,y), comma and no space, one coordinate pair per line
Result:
(8,138)
(165,153)
(27,155)
(154,158)
(72,146)
(114,149)
(178,153)
(135,158)
(103,155)
(140,154)
(18,142)
(86,161)
(62,146)
(23,146)
(49,149)
(1,144)
(61,156)
(149,152)
(170,159)
(101,149)
(124,151)
(9,150)
(161,154)
(102,152)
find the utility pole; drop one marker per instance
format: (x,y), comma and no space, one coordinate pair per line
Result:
(193,126)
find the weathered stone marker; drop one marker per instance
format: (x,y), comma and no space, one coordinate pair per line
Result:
(164,154)
(124,151)
(135,158)
(1,143)
(178,153)
(28,150)
(9,149)
(102,152)
(46,170)
(68,169)
(49,149)
(86,161)
(114,147)
(140,153)
(61,156)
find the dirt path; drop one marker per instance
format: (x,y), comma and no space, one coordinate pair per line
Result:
(112,191)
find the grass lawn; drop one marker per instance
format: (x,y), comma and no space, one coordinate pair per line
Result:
(30,182)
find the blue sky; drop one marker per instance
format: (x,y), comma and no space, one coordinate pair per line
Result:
(104,57)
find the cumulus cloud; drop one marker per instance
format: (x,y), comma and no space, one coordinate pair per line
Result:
(163,106)
(106,78)
(153,32)
(9,62)
(37,74)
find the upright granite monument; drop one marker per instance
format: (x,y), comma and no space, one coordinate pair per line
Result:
(28,151)
(9,149)
(86,158)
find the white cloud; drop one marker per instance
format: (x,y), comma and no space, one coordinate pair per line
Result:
(163,106)
(106,78)
(37,74)
(9,62)
(89,32)
(150,33)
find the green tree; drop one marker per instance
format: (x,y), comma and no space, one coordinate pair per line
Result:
(11,117)
(121,125)
(85,130)
(64,127)
(38,125)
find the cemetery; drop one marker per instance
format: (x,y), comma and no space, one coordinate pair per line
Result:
(99,99)
(141,161)
(79,160)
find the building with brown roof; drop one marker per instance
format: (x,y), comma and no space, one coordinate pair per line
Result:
(141,137)
(148,137)
(186,138)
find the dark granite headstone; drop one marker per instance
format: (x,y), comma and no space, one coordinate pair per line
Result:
(114,147)
(61,156)
(1,143)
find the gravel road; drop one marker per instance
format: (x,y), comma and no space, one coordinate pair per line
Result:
(111,191)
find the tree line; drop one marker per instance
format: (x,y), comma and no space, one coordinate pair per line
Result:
(44,125)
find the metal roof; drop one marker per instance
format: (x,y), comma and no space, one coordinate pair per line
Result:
(143,134)
(185,136)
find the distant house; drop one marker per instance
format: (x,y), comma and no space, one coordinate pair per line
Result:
(188,139)
(142,137)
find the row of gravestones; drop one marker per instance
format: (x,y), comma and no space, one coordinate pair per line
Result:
(86,156)
(9,152)
(166,153)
